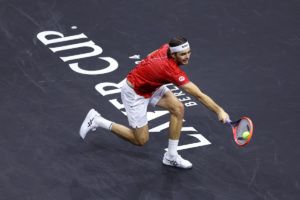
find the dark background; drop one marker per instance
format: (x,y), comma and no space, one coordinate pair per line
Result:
(245,56)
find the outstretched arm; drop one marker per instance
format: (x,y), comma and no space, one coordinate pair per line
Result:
(194,90)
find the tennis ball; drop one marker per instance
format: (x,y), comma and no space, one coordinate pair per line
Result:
(245,135)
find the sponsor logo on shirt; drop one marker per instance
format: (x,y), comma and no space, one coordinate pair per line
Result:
(181,78)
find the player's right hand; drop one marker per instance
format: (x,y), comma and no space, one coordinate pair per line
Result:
(223,116)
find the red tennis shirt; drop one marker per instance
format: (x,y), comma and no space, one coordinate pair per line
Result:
(154,71)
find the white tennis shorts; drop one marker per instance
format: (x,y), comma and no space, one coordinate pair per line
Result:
(136,105)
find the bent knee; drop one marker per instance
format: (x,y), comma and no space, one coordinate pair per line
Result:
(178,109)
(142,140)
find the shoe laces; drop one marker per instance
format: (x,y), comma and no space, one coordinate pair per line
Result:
(179,159)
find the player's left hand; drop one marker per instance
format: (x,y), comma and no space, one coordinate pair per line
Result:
(223,116)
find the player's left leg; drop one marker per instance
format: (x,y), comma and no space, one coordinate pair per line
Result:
(138,135)
(136,110)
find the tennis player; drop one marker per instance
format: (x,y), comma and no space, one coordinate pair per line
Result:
(145,85)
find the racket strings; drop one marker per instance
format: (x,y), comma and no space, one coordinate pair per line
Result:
(240,129)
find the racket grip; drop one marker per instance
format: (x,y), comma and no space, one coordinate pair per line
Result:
(228,121)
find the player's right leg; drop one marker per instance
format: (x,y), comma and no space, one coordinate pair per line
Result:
(170,102)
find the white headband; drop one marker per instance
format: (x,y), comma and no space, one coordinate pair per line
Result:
(179,48)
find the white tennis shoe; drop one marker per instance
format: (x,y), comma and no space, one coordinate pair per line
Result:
(88,123)
(176,161)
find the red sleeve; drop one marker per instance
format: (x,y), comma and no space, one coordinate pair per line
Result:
(165,46)
(179,77)
(162,51)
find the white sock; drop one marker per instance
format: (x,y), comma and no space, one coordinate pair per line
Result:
(103,123)
(172,148)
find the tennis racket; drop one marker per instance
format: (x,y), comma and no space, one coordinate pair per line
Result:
(239,127)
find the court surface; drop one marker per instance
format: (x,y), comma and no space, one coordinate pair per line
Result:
(245,55)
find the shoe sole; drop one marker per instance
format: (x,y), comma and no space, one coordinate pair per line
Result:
(169,164)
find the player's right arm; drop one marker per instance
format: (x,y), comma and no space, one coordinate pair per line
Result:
(194,90)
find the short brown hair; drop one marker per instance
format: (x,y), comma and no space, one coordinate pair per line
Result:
(175,41)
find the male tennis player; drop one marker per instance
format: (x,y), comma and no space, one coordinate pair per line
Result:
(144,85)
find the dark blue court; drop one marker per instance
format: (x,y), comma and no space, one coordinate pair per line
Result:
(245,55)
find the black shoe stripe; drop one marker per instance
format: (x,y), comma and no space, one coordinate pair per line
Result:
(90,122)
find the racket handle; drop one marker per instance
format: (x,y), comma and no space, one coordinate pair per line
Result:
(228,121)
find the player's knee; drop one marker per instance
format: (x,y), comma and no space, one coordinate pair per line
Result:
(142,137)
(178,109)
(141,141)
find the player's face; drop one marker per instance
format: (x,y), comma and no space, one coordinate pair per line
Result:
(182,58)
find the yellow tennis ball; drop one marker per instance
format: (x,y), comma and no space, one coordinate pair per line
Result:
(245,135)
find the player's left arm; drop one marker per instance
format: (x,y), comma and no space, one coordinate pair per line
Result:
(194,90)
